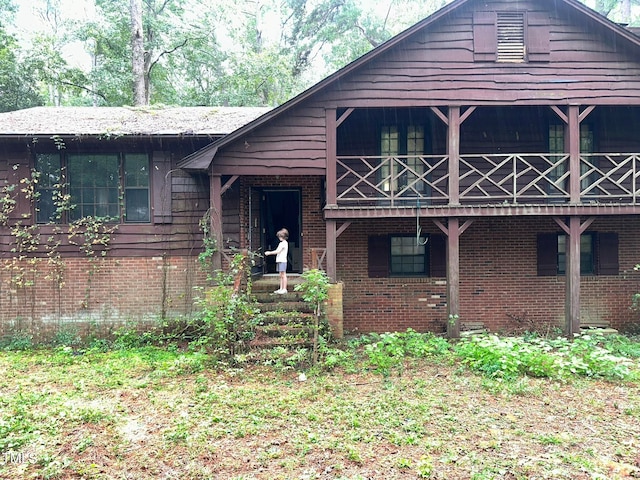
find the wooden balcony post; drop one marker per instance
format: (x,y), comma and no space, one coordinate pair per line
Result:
(215,189)
(331,236)
(453,150)
(574,153)
(572,279)
(331,127)
(453,279)
(453,230)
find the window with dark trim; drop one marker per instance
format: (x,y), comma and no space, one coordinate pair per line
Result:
(587,258)
(401,140)
(598,253)
(111,186)
(557,146)
(406,256)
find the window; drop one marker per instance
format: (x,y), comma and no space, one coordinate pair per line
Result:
(95,184)
(587,259)
(557,145)
(48,187)
(402,149)
(598,253)
(406,255)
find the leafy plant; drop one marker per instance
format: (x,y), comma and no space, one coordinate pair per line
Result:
(510,357)
(388,350)
(226,318)
(314,290)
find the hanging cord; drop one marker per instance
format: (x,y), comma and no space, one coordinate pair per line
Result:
(419,242)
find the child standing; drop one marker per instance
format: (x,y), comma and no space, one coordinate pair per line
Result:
(281,259)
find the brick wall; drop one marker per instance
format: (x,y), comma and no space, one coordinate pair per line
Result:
(499,285)
(96,298)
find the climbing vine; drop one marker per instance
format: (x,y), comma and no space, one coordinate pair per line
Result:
(29,248)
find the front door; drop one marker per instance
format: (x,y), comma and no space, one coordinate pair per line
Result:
(281,208)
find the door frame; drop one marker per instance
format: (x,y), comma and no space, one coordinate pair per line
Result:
(279,207)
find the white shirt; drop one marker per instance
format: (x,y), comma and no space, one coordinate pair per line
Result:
(282,251)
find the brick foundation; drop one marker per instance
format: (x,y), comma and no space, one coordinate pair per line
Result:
(96,298)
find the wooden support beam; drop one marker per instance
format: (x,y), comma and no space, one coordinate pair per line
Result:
(331,133)
(453,150)
(440,115)
(331,249)
(453,230)
(453,279)
(466,114)
(342,228)
(560,114)
(567,229)
(228,184)
(344,116)
(574,154)
(574,228)
(585,113)
(572,279)
(215,216)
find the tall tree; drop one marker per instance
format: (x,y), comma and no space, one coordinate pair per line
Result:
(140,80)
(17,79)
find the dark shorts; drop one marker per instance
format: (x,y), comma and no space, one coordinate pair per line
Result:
(281,266)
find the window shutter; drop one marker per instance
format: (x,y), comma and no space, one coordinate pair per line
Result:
(162,187)
(438,254)
(538,42)
(607,252)
(547,254)
(485,37)
(378,253)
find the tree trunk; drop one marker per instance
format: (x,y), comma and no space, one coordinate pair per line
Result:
(140,96)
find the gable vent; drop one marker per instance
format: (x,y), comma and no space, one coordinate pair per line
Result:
(510,37)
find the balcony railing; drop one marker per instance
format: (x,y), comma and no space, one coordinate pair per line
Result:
(486,179)
(393,181)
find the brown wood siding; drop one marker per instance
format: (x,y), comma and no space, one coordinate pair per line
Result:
(586,65)
(293,144)
(189,202)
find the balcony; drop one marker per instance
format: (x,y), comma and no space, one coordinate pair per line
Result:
(495,180)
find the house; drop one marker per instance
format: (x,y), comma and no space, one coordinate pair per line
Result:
(127,251)
(480,168)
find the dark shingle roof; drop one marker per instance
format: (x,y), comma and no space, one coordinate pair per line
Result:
(165,121)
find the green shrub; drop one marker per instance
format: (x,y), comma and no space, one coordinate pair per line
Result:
(388,350)
(510,357)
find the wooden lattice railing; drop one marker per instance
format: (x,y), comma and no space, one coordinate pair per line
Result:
(530,178)
(514,178)
(362,180)
(610,177)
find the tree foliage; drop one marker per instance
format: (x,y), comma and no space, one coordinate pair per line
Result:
(197,52)
(17,80)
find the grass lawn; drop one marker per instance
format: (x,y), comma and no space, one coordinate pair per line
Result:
(149,412)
